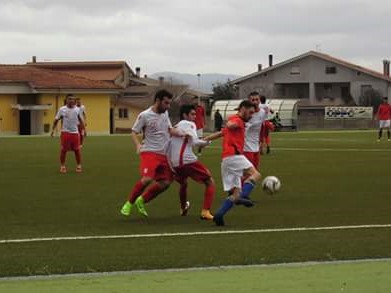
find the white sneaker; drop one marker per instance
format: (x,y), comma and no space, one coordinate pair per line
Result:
(183,212)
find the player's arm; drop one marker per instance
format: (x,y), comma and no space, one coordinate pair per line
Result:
(55,122)
(82,123)
(191,132)
(176,132)
(85,119)
(138,128)
(136,140)
(232,124)
(214,136)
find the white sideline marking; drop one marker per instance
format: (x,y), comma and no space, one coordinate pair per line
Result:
(333,150)
(221,232)
(195,269)
(320,149)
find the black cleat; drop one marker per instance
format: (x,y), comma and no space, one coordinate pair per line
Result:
(219,220)
(248,203)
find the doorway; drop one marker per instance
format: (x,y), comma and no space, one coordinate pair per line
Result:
(24,122)
(111,120)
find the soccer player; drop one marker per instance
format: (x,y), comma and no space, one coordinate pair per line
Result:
(265,140)
(234,164)
(264,106)
(70,139)
(266,128)
(83,114)
(156,175)
(384,115)
(200,117)
(186,164)
(253,129)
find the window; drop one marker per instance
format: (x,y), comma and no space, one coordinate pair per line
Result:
(331,70)
(327,86)
(295,70)
(123,113)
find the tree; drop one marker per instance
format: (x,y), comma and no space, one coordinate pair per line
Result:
(224,91)
(371,97)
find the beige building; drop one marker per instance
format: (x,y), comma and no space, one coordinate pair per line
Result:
(316,79)
(30,97)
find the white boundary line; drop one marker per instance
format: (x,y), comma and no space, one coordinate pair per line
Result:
(221,232)
(193,269)
(320,149)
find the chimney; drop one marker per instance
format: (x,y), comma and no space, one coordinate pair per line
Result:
(259,67)
(270,60)
(138,71)
(386,67)
(34,59)
(161,80)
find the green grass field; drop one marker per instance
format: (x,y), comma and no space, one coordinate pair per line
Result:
(360,277)
(329,179)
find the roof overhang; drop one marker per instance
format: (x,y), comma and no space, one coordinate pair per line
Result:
(77,91)
(32,107)
(14,87)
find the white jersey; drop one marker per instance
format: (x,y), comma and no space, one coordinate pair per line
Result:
(266,108)
(253,129)
(156,130)
(82,111)
(180,151)
(70,119)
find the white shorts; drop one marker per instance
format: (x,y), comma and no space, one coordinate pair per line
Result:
(200,133)
(232,171)
(384,124)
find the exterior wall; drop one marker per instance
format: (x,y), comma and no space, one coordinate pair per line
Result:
(125,124)
(262,84)
(48,115)
(312,72)
(379,85)
(98,112)
(9,118)
(97,108)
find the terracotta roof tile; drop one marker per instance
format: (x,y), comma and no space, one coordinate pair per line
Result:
(39,78)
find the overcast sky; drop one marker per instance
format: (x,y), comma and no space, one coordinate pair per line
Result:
(194,36)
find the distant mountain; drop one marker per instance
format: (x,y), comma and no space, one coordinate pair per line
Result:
(203,83)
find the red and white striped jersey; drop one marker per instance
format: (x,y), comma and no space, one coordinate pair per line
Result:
(253,129)
(180,150)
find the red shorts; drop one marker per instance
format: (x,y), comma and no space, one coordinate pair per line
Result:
(196,171)
(155,166)
(70,141)
(253,157)
(266,139)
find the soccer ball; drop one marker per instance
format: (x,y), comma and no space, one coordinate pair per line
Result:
(271,184)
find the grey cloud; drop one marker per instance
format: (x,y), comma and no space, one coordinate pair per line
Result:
(193,36)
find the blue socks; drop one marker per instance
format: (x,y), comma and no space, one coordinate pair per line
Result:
(225,207)
(246,189)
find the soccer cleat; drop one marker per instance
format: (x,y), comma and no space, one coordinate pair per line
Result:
(268,150)
(126,209)
(184,211)
(63,169)
(378,140)
(141,206)
(219,220)
(248,203)
(79,169)
(206,215)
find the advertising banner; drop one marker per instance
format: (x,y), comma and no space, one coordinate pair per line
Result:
(348,113)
